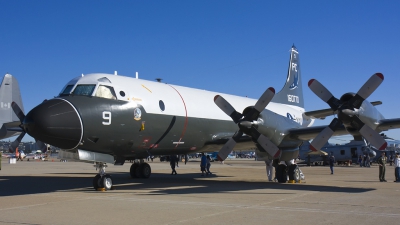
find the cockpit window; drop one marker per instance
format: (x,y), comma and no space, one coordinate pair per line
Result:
(67,90)
(84,89)
(105,92)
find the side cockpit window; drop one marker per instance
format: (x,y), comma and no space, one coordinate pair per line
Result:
(105,92)
(67,90)
(84,89)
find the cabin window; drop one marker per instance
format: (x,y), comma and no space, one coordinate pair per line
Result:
(105,92)
(84,89)
(162,106)
(342,152)
(67,90)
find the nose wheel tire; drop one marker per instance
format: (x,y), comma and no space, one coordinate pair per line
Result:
(106,181)
(97,182)
(281,173)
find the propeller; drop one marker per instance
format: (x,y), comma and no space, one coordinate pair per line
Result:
(347,110)
(247,124)
(21,116)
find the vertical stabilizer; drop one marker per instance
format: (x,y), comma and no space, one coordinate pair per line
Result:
(292,92)
(9,92)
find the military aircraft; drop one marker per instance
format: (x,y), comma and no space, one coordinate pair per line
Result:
(9,92)
(345,153)
(106,118)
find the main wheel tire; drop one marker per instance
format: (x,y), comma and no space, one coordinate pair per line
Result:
(145,170)
(106,181)
(294,173)
(97,182)
(281,174)
(133,169)
(138,172)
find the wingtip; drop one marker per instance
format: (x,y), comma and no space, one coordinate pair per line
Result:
(310,82)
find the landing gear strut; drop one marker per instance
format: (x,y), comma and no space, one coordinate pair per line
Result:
(140,169)
(102,180)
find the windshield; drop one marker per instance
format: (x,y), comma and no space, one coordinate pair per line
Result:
(84,89)
(67,90)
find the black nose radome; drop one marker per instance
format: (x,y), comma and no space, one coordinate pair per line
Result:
(55,122)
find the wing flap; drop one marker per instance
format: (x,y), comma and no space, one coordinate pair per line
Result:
(308,133)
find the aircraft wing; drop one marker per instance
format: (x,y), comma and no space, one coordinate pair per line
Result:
(308,133)
(388,124)
(323,113)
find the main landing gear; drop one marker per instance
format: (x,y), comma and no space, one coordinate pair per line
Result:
(102,180)
(291,172)
(140,169)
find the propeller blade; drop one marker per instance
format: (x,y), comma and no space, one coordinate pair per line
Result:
(373,137)
(17,110)
(265,143)
(228,146)
(14,145)
(265,98)
(325,134)
(367,89)
(324,94)
(227,108)
(268,146)
(260,105)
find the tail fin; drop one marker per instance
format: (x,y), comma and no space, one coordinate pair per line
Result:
(9,92)
(292,92)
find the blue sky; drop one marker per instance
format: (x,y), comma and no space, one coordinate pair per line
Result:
(235,47)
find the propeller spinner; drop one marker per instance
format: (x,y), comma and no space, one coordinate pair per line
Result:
(345,109)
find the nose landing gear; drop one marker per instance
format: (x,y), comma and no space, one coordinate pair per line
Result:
(102,180)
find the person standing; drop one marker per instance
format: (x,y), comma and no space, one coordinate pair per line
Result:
(203,164)
(397,167)
(331,162)
(382,167)
(208,165)
(368,161)
(172,162)
(269,168)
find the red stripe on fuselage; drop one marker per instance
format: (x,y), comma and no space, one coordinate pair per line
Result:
(186,117)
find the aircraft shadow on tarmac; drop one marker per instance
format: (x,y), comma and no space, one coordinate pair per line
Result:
(158,184)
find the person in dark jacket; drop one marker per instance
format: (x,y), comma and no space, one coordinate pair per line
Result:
(172,162)
(331,162)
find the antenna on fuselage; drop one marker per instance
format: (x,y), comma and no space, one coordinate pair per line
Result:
(115,73)
(137,75)
(158,79)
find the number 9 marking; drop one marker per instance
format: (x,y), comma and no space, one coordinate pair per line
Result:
(107,118)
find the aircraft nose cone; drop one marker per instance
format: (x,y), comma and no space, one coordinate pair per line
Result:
(55,122)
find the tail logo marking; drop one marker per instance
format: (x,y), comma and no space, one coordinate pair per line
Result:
(295,83)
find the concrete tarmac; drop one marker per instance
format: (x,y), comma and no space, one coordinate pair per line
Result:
(238,192)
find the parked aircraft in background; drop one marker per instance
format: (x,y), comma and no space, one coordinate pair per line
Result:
(9,93)
(345,153)
(105,118)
